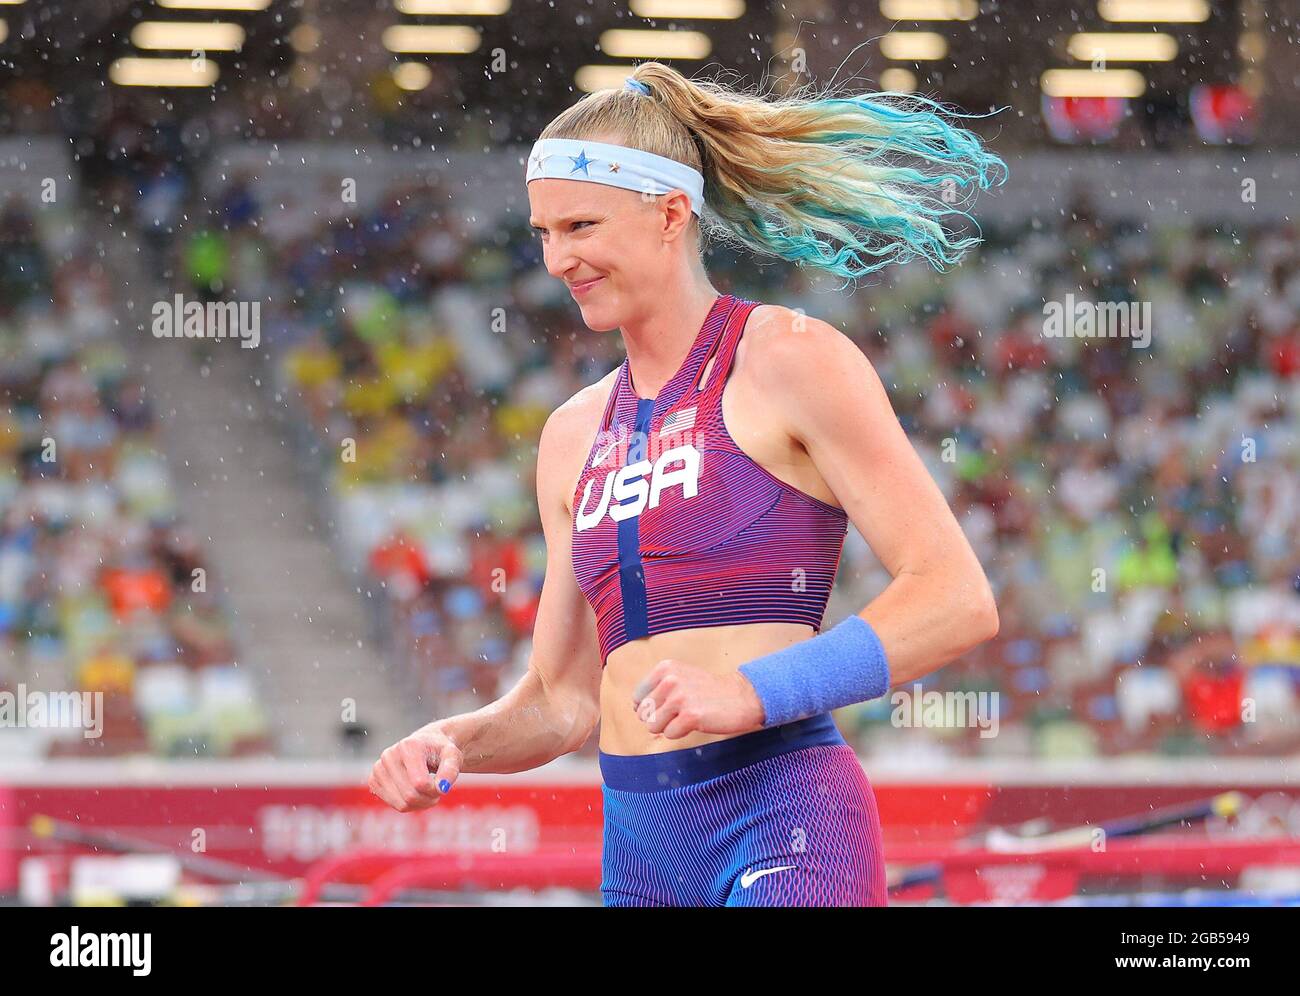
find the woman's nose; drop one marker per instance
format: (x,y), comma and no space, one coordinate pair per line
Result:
(559,262)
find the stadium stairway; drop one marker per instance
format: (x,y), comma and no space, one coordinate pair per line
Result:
(298,620)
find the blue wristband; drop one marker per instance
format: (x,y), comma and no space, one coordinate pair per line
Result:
(838,667)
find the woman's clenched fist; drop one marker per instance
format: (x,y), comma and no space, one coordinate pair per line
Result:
(416,771)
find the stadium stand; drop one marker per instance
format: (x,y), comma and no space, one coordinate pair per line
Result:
(103,586)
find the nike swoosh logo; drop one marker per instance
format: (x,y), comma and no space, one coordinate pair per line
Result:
(603,453)
(750,877)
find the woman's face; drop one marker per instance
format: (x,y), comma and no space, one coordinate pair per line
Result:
(611,246)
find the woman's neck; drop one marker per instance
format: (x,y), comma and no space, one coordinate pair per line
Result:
(658,341)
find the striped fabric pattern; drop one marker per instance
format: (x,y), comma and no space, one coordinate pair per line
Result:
(810,813)
(747,547)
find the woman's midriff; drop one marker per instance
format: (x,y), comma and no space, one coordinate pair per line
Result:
(719,649)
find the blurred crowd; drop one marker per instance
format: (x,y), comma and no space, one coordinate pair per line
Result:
(1137,508)
(1135,504)
(103,590)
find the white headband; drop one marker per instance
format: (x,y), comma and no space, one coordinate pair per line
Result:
(615,166)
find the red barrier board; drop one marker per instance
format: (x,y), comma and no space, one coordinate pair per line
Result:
(284,828)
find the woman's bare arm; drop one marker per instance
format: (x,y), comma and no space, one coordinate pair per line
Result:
(554,707)
(939,604)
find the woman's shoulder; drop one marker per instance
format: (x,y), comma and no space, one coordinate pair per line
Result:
(777,322)
(780,341)
(571,429)
(584,409)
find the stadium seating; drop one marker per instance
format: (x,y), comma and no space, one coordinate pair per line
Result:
(102,587)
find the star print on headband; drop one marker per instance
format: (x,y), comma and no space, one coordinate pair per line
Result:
(614,166)
(580,162)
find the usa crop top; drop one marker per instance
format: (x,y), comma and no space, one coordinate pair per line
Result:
(674,526)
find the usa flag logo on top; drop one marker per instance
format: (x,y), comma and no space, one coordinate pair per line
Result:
(679,421)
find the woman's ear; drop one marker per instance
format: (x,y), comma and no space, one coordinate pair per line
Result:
(675,209)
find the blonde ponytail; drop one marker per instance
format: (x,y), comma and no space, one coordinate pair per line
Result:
(848,184)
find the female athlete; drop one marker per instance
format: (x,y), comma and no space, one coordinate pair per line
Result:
(694,501)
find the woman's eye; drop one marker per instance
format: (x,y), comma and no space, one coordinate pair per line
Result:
(541,233)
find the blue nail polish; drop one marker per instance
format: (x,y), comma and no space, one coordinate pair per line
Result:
(444,786)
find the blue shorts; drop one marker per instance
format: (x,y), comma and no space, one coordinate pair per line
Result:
(782,816)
